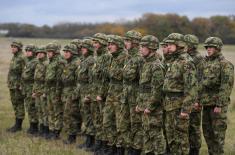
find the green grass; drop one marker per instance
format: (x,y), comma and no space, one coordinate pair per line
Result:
(22,144)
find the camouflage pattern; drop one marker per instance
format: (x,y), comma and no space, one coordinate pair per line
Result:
(39,88)
(84,90)
(180,88)
(28,81)
(133,128)
(218,79)
(150,98)
(14,81)
(71,107)
(195,115)
(100,86)
(53,88)
(112,109)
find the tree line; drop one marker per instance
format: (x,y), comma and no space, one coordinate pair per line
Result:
(159,25)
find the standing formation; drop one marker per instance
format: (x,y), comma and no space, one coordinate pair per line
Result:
(122,95)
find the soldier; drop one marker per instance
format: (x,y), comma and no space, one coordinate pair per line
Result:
(14,82)
(53,90)
(78,43)
(150,103)
(28,81)
(84,89)
(71,108)
(218,79)
(131,120)
(180,92)
(39,91)
(112,109)
(100,88)
(195,115)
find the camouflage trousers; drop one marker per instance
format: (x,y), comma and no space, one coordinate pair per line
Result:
(153,132)
(42,112)
(214,127)
(86,113)
(177,132)
(195,129)
(112,117)
(55,110)
(71,115)
(30,105)
(17,100)
(97,110)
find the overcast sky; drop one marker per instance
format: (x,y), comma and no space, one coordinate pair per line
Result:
(50,12)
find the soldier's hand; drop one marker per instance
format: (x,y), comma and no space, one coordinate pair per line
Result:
(147,111)
(184,115)
(217,110)
(87,100)
(197,106)
(99,98)
(137,109)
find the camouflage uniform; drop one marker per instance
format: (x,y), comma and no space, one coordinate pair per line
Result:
(180,88)
(218,79)
(53,89)
(112,109)
(84,90)
(195,115)
(14,82)
(100,88)
(39,91)
(130,94)
(28,81)
(150,98)
(71,107)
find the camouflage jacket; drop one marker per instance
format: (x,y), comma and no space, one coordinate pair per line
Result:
(180,84)
(150,84)
(17,64)
(100,73)
(53,75)
(218,79)
(39,76)
(28,74)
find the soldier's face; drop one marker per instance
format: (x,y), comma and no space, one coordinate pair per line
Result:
(84,51)
(14,49)
(41,55)
(112,47)
(96,45)
(171,48)
(144,51)
(29,53)
(50,54)
(164,49)
(128,44)
(67,55)
(210,51)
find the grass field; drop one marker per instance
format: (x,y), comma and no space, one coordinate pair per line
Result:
(22,144)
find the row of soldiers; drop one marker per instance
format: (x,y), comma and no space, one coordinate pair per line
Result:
(122,95)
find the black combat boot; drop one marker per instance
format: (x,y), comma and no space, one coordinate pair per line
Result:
(41,130)
(33,129)
(120,150)
(97,147)
(70,140)
(46,131)
(16,127)
(50,135)
(83,145)
(90,143)
(136,152)
(56,135)
(194,151)
(110,150)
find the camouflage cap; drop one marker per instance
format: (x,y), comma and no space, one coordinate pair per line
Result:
(87,43)
(77,42)
(17,44)
(133,35)
(31,47)
(176,38)
(71,48)
(163,42)
(101,38)
(41,49)
(115,39)
(54,47)
(191,40)
(213,42)
(150,41)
